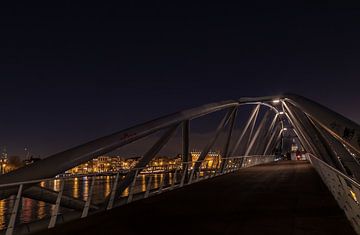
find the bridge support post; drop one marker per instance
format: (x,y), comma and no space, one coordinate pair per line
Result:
(132,186)
(183,175)
(267,134)
(270,141)
(148,156)
(88,201)
(113,192)
(162,182)
(148,188)
(174,179)
(220,127)
(57,205)
(253,123)
(228,138)
(257,133)
(185,148)
(11,225)
(198,176)
(252,116)
(191,176)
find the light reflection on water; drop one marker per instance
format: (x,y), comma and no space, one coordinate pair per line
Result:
(31,210)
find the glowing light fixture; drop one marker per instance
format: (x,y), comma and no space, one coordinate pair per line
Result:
(353,195)
(281,112)
(276,101)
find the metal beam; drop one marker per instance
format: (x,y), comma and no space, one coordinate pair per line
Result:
(210,144)
(300,128)
(251,130)
(185,147)
(260,127)
(63,161)
(225,153)
(228,139)
(246,127)
(150,154)
(315,137)
(266,137)
(342,128)
(270,142)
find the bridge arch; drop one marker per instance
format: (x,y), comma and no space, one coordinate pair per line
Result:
(322,132)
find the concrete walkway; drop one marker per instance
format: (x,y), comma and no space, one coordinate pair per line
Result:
(279,198)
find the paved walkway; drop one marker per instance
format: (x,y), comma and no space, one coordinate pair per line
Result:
(279,198)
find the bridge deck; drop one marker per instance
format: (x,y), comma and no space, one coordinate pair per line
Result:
(279,198)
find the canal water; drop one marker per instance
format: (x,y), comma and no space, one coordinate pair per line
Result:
(31,210)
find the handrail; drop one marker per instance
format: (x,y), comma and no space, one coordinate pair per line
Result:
(345,190)
(337,171)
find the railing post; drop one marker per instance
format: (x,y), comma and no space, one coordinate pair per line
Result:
(185,148)
(11,225)
(55,212)
(132,186)
(174,179)
(113,192)
(198,175)
(183,175)
(88,201)
(161,184)
(240,160)
(191,176)
(148,188)
(223,167)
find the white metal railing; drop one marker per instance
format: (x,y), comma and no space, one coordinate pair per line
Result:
(345,190)
(148,181)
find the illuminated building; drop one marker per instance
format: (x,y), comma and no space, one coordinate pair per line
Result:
(212,159)
(164,163)
(108,164)
(3,161)
(103,164)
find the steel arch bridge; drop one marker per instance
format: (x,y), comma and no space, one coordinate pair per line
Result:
(331,140)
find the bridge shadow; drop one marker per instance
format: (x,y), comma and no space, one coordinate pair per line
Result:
(287,197)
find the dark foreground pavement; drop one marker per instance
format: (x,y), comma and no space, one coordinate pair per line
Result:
(279,198)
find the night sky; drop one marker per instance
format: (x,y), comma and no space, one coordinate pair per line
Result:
(72,73)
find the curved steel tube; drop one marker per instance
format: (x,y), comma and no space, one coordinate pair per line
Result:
(60,162)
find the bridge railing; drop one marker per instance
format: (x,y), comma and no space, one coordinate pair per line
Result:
(97,191)
(185,174)
(345,190)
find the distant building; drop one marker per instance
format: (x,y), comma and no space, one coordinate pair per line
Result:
(212,159)
(3,161)
(104,164)
(108,164)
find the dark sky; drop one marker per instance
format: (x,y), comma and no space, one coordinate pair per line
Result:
(71,73)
